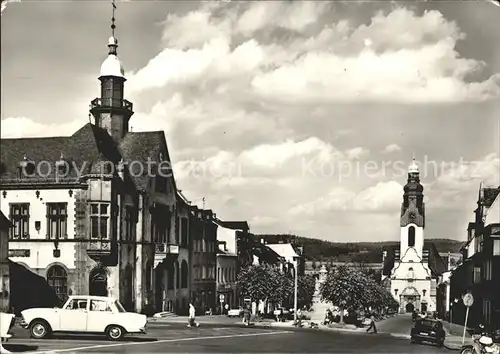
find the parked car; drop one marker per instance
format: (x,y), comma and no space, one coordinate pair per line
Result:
(428,330)
(235,313)
(87,314)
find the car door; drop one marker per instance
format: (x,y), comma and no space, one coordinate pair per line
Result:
(100,315)
(73,318)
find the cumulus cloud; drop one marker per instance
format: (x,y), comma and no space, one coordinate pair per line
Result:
(382,197)
(458,182)
(15,127)
(391,148)
(410,58)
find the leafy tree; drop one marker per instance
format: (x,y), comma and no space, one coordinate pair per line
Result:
(256,282)
(345,287)
(306,285)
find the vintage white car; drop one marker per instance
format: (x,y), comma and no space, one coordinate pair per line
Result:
(235,312)
(84,314)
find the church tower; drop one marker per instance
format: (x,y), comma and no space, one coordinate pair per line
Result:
(111,111)
(412,220)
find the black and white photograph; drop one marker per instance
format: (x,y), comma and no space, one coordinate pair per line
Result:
(181,176)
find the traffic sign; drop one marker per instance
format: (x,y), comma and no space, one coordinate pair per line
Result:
(221,297)
(468,299)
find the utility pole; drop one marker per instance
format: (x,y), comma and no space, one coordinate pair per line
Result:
(296,288)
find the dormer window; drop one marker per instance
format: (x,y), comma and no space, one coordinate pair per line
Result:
(27,167)
(62,166)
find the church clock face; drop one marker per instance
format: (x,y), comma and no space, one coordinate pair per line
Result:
(412,215)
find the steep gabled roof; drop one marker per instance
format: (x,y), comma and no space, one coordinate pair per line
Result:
(234,225)
(489,196)
(83,151)
(143,147)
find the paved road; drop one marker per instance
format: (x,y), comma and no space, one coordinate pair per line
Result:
(400,324)
(175,338)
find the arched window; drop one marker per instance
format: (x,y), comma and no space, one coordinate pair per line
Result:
(411,236)
(184,275)
(58,280)
(177,275)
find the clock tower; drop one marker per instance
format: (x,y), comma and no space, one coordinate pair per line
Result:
(412,220)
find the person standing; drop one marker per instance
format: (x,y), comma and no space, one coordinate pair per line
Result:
(192,316)
(372,324)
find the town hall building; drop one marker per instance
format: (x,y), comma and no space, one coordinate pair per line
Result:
(412,270)
(98,212)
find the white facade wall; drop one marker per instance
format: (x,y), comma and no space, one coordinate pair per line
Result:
(411,277)
(41,253)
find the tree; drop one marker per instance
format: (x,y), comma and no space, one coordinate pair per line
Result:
(306,285)
(345,287)
(256,282)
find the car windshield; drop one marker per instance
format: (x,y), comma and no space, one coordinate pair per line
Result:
(119,306)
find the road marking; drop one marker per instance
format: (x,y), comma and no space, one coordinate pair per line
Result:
(162,341)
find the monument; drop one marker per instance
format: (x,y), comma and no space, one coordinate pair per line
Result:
(319,307)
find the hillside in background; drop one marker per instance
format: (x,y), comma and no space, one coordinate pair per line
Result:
(363,252)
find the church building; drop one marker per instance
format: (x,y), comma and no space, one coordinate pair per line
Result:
(412,269)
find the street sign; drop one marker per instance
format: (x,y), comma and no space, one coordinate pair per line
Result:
(221,297)
(468,299)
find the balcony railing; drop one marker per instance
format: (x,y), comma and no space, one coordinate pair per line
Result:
(111,103)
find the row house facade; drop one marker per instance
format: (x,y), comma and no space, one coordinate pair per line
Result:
(228,264)
(5,226)
(479,273)
(98,212)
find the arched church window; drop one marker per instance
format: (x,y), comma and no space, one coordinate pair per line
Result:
(411,236)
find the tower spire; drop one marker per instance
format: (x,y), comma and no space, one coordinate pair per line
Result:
(113,42)
(113,18)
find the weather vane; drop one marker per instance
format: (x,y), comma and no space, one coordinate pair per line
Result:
(113,18)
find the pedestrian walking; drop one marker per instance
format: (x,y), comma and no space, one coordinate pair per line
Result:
(192,316)
(372,324)
(246,316)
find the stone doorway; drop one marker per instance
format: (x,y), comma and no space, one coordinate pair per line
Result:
(409,308)
(98,282)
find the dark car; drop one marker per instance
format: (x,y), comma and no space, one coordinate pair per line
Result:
(428,330)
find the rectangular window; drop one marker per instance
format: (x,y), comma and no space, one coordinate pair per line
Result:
(184,231)
(57,218)
(177,229)
(496,247)
(19,216)
(99,217)
(161,182)
(487,270)
(129,223)
(477,275)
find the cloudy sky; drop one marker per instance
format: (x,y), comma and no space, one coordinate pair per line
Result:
(299,117)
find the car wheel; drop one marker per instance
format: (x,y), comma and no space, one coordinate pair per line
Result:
(39,329)
(114,332)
